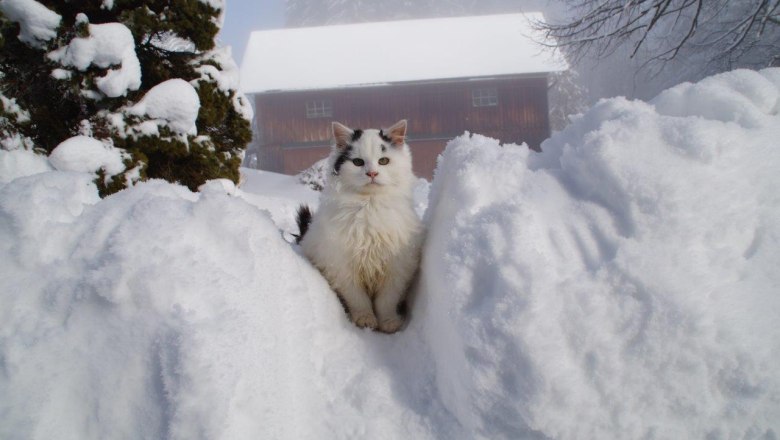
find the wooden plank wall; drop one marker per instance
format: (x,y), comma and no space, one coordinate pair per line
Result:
(436,112)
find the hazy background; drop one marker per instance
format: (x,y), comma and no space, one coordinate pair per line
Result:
(244,16)
(728,34)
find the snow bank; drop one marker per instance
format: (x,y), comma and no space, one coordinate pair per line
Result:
(159,313)
(109,44)
(83,154)
(741,96)
(37,23)
(20,163)
(622,284)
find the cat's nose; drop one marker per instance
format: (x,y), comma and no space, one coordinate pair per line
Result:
(372,174)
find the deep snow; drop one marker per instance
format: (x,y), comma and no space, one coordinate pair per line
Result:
(622,284)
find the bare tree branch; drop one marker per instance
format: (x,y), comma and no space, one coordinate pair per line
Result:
(729,30)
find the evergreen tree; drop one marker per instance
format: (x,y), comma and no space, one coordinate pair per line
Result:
(128,73)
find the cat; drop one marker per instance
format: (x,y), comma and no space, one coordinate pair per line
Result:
(366,237)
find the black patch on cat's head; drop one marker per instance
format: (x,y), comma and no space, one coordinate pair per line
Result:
(385,137)
(356,134)
(343,157)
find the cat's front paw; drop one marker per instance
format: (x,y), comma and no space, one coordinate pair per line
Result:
(365,320)
(391,325)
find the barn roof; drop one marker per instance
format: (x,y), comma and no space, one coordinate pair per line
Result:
(364,54)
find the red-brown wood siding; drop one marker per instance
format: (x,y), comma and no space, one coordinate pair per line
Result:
(436,113)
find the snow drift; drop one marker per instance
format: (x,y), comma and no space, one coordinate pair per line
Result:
(622,284)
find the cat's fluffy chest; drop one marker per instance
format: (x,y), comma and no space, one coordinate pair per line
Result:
(368,232)
(375,220)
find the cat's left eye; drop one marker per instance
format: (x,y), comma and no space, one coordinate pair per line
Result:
(358,162)
(384,161)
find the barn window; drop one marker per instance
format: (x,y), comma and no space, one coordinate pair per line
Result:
(487,97)
(319,109)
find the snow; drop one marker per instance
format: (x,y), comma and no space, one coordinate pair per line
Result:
(37,23)
(227,78)
(173,103)
(61,74)
(622,284)
(109,44)
(278,194)
(619,285)
(10,138)
(741,96)
(219,5)
(83,154)
(316,175)
(18,163)
(9,105)
(216,4)
(15,141)
(387,52)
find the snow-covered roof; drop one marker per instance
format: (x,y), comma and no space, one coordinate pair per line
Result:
(397,51)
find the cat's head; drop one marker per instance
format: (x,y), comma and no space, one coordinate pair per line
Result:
(371,161)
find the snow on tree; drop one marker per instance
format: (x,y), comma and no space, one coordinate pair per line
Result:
(142,77)
(12,119)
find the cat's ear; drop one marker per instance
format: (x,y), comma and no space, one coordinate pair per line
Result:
(397,133)
(342,134)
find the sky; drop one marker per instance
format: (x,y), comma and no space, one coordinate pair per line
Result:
(244,16)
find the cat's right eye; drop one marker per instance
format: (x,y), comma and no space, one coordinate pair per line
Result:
(358,162)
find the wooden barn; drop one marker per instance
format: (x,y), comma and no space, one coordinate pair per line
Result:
(480,74)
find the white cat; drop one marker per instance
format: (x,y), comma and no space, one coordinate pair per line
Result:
(366,237)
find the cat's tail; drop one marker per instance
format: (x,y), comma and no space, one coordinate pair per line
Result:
(303,219)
